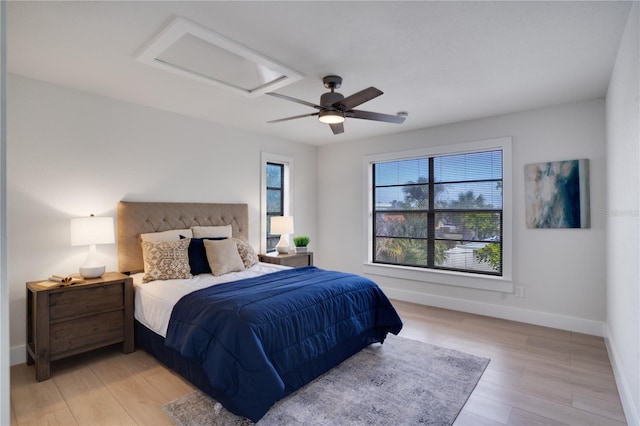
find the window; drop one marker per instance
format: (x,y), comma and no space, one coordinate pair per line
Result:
(276,187)
(442,215)
(275,200)
(440,212)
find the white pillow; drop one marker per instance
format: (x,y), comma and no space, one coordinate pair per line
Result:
(223,231)
(172,235)
(223,256)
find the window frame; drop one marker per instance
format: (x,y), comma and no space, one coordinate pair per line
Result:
(502,283)
(287,199)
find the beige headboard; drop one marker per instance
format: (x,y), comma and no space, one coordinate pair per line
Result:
(138,218)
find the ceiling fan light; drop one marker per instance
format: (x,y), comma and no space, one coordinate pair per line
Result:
(331,117)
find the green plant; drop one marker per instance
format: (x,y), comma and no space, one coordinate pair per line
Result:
(301,241)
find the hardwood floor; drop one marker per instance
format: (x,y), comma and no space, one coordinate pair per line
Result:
(537,376)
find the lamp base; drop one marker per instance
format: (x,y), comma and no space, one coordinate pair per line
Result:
(283,246)
(91,271)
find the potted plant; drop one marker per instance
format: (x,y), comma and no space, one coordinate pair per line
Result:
(301,243)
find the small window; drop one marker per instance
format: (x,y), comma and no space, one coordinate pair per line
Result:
(276,187)
(275,200)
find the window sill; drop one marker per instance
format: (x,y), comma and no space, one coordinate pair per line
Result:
(458,279)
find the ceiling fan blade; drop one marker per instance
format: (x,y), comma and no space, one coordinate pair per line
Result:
(289,98)
(292,118)
(376,116)
(358,98)
(337,128)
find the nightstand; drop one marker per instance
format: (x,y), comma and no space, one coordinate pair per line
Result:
(289,259)
(64,321)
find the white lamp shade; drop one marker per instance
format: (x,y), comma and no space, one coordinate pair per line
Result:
(282,225)
(91,230)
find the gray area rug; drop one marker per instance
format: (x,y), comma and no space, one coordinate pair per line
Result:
(402,382)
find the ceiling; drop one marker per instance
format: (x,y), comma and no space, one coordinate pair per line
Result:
(442,62)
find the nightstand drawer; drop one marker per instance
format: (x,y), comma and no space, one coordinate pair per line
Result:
(85,301)
(88,332)
(298,261)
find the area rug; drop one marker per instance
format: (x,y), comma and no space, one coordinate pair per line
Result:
(402,382)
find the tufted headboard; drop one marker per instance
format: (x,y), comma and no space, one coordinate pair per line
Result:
(136,218)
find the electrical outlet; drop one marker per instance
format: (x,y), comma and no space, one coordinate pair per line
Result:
(519,292)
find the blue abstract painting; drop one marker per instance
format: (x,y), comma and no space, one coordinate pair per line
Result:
(557,194)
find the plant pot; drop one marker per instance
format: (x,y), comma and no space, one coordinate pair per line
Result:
(301,249)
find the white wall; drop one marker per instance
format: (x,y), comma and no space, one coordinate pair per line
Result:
(562,270)
(4,287)
(622,224)
(71,154)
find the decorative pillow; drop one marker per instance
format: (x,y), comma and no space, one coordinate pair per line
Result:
(223,231)
(166,260)
(198,256)
(172,235)
(246,252)
(223,256)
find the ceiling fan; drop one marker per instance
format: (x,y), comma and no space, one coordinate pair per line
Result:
(334,107)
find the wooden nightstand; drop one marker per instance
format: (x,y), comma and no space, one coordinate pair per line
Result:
(64,321)
(290,259)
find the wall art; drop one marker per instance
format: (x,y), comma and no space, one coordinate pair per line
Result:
(557,194)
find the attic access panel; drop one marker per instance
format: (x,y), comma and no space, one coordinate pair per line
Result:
(190,50)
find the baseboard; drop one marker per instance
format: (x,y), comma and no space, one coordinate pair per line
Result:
(18,355)
(628,403)
(544,319)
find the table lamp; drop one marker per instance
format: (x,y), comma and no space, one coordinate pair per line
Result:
(89,231)
(282,225)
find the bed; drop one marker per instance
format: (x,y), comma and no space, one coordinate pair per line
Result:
(246,338)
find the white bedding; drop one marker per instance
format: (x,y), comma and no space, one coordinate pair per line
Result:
(154,300)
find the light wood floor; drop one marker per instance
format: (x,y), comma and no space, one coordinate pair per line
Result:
(537,376)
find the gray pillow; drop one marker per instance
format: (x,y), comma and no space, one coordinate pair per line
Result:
(223,256)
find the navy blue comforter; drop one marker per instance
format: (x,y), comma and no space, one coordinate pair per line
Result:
(261,338)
